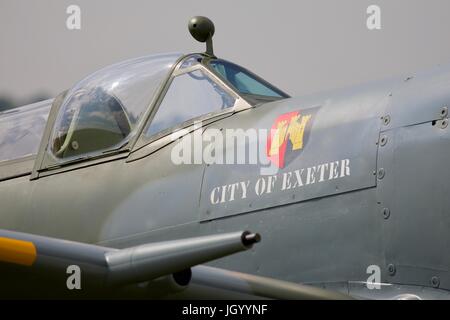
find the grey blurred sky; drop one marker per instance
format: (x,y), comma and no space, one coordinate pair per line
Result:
(302,46)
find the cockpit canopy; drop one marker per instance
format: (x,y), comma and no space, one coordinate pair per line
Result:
(102,111)
(153,95)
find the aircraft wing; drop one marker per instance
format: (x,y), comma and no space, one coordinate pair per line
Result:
(47,266)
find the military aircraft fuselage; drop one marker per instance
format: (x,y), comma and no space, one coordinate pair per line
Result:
(352,178)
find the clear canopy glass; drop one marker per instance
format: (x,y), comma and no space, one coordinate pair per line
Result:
(190,95)
(244,81)
(101,112)
(21,130)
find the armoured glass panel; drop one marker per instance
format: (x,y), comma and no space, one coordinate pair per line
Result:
(190,95)
(21,130)
(244,81)
(101,112)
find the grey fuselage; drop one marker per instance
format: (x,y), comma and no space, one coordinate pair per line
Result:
(378,160)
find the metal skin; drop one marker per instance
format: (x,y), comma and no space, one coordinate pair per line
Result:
(389,209)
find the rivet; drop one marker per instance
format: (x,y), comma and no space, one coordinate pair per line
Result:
(386,213)
(444,123)
(435,282)
(386,120)
(383,141)
(391,269)
(380,173)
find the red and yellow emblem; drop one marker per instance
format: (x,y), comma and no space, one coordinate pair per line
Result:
(287,135)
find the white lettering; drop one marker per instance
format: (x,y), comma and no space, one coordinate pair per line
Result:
(73,21)
(374,18)
(74,280)
(260,186)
